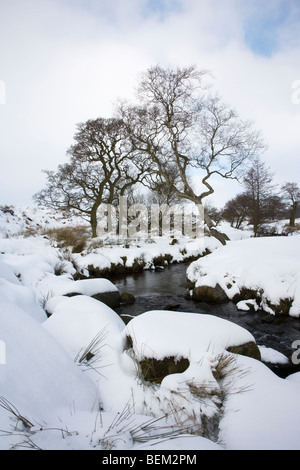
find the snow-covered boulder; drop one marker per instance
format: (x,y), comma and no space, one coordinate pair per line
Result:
(165,342)
(100,289)
(91,334)
(181,359)
(76,321)
(264,271)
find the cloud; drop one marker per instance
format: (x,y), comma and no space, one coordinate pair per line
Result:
(63,62)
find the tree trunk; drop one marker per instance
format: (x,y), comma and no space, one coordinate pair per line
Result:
(222,237)
(93,221)
(293,214)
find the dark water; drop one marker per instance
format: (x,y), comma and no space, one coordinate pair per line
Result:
(164,290)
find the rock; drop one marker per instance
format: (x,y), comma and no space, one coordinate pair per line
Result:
(138,266)
(282,308)
(154,370)
(127,298)
(248,294)
(267,318)
(187,295)
(209,294)
(249,349)
(283,370)
(172,307)
(159,268)
(99,289)
(111,299)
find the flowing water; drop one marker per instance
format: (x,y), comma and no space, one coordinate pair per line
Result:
(165,289)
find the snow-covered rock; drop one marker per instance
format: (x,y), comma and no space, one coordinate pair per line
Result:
(160,333)
(269,268)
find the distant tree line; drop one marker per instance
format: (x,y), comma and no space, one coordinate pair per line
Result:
(177,128)
(262,202)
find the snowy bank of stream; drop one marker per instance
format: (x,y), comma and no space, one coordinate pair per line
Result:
(262,272)
(72,381)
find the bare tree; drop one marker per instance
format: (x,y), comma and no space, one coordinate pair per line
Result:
(236,210)
(263,204)
(101,167)
(291,194)
(182,129)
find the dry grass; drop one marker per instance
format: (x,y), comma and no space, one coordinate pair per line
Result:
(6,405)
(90,357)
(124,424)
(70,237)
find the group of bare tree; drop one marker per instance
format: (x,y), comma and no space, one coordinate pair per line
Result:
(261,201)
(178,128)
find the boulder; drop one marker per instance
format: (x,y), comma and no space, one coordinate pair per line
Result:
(111,299)
(99,289)
(154,370)
(209,294)
(127,298)
(249,349)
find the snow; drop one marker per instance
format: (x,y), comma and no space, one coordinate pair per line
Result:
(22,297)
(163,333)
(38,376)
(88,287)
(144,250)
(78,385)
(272,356)
(27,220)
(269,266)
(266,416)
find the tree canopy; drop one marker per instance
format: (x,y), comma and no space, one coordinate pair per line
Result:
(178,129)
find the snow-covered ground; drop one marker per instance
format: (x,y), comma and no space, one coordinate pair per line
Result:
(30,220)
(72,381)
(268,266)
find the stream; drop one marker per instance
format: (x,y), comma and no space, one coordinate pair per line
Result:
(165,289)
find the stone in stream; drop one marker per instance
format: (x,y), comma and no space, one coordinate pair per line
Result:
(100,289)
(209,294)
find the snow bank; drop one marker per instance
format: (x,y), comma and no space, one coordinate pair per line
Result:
(264,414)
(269,266)
(28,220)
(82,324)
(76,321)
(39,377)
(58,371)
(144,251)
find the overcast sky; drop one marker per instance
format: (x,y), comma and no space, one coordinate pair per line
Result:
(65,61)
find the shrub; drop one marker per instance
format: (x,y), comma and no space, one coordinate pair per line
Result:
(66,237)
